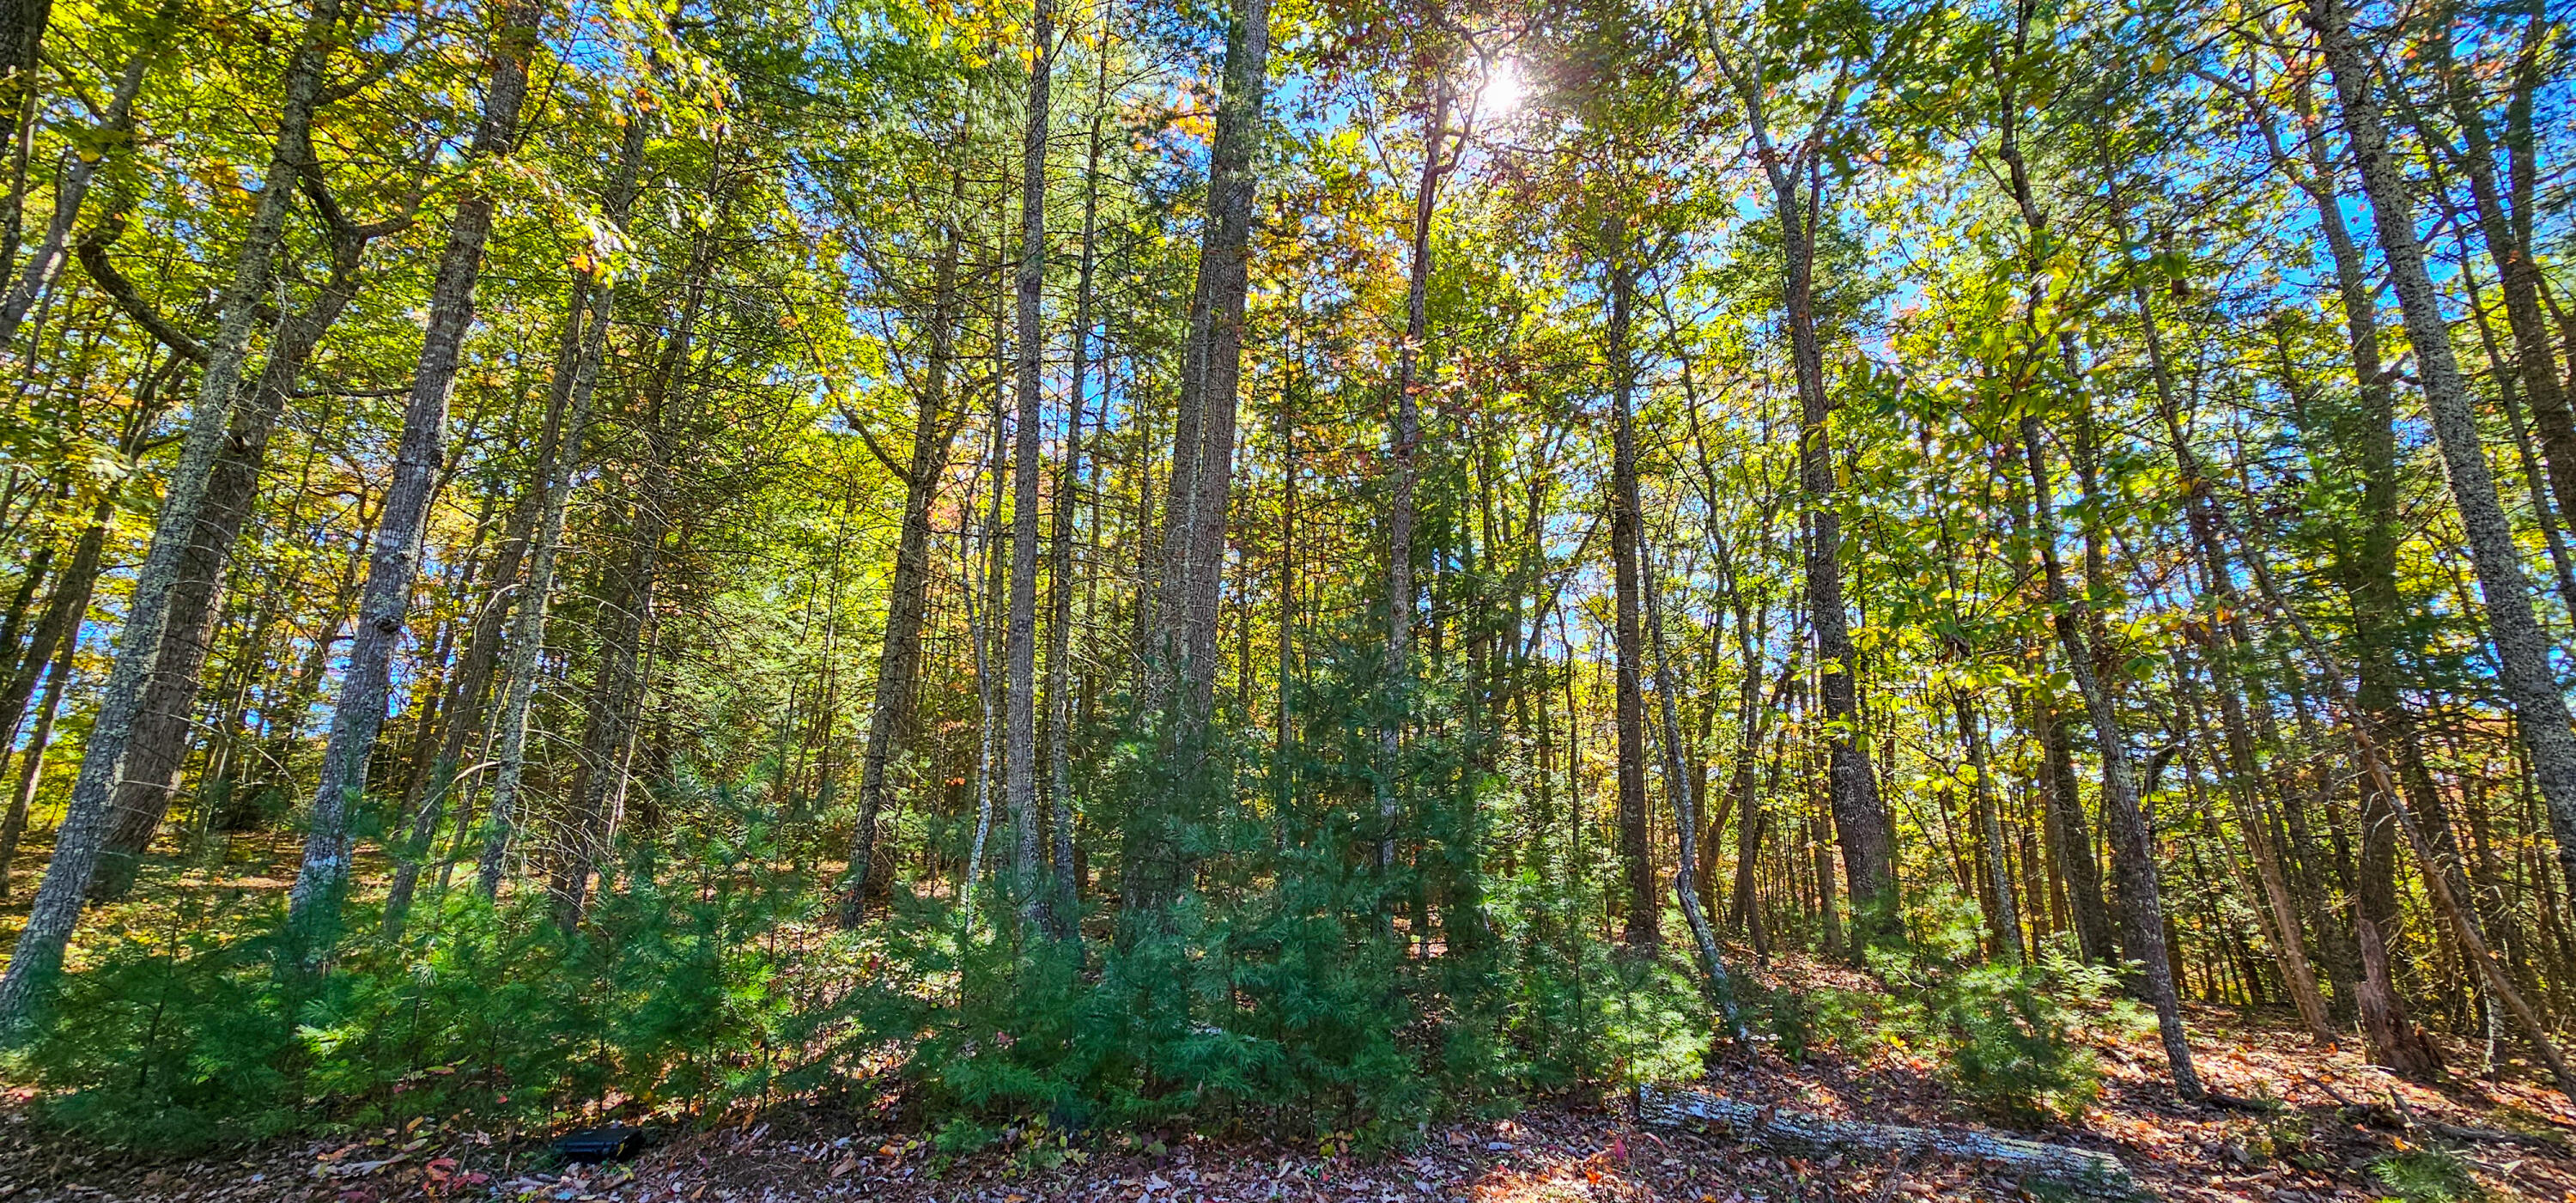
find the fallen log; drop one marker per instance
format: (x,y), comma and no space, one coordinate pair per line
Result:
(1764,1124)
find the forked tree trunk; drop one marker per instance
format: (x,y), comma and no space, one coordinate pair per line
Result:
(899,660)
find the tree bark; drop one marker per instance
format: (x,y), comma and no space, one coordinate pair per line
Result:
(157,749)
(1681,786)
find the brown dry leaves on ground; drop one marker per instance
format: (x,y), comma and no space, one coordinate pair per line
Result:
(1555,1151)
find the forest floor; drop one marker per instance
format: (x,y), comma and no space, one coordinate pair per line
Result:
(1553,1151)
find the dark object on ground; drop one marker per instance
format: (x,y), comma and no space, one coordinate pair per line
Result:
(616,1142)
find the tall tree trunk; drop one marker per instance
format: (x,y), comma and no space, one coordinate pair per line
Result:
(616,692)
(1645,908)
(1407,436)
(1860,815)
(899,661)
(1180,632)
(1065,913)
(1194,512)
(2226,628)
(2521,648)
(36,963)
(2134,859)
(313,903)
(467,688)
(1020,650)
(584,345)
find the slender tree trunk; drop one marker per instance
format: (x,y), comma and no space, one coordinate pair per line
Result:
(115,124)
(31,764)
(617,691)
(2141,899)
(2507,247)
(59,625)
(1020,650)
(1065,913)
(314,901)
(36,964)
(2246,779)
(462,716)
(1681,786)
(1990,828)
(1645,908)
(907,596)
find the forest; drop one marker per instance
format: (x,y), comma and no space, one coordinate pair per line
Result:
(1863,596)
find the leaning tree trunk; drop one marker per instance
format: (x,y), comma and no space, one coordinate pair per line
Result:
(2507,237)
(907,595)
(115,126)
(36,963)
(313,903)
(157,749)
(2521,647)
(2134,859)
(31,765)
(1683,789)
(49,651)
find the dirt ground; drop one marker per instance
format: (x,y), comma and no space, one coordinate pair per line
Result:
(2337,1117)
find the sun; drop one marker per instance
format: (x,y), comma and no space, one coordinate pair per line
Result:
(1503,89)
